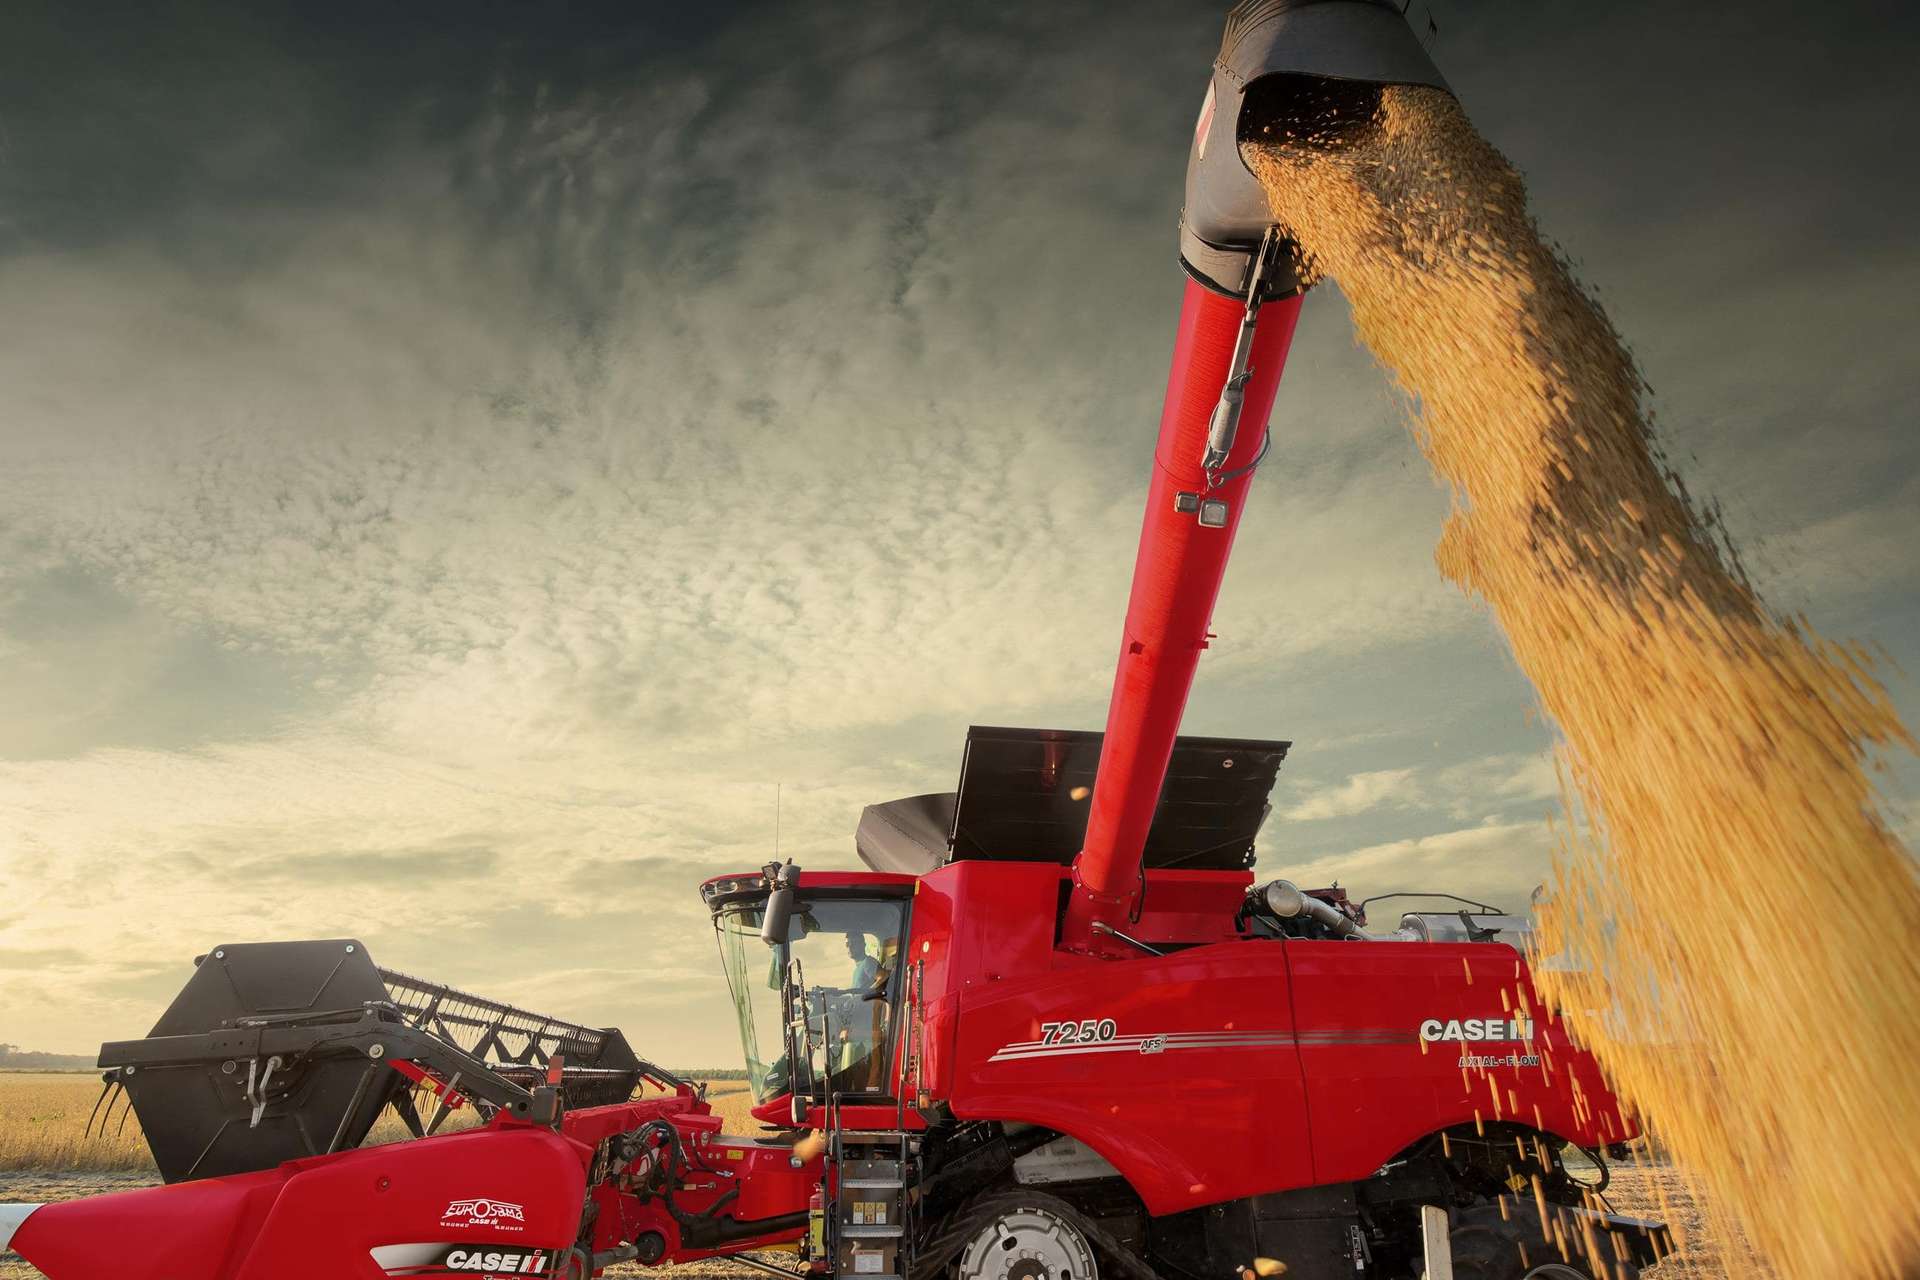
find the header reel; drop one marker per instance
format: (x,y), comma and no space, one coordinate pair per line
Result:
(281,1050)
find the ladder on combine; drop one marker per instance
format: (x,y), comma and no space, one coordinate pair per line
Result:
(867,1227)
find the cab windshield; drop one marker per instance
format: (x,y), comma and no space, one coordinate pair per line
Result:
(847,951)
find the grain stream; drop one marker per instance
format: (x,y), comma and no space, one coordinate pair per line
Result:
(1724,827)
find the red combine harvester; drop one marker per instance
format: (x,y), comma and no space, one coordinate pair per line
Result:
(1054,1030)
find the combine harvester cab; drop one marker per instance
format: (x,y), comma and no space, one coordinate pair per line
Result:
(258,1086)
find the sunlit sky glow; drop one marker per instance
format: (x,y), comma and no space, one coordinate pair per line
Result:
(453,466)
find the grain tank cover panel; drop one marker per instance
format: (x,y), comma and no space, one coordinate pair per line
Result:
(906,836)
(1024,793)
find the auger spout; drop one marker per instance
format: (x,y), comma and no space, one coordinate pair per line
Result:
(1311,64)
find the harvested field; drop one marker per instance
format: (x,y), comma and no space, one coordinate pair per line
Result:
(43,1120)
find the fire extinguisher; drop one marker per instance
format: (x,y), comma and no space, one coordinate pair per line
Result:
(817,1226)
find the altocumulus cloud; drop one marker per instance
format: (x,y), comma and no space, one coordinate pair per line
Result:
(442,511)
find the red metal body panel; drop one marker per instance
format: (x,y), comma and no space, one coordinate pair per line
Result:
(325,1216)
(982,922)
(405,1193)
(1194,1098)
(195,1229)
(1176,580)
(1278,1064)
(1373,1086)
(1237,1066)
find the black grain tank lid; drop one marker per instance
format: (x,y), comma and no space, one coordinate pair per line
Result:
(1024,795)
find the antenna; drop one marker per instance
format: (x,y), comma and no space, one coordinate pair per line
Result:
(776,822)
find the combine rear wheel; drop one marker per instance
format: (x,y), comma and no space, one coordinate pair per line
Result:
(1021,1236)
(1490,1246)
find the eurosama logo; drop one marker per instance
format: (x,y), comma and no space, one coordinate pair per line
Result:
(484,1212)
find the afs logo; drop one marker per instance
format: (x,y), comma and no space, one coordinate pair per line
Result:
(502,1215)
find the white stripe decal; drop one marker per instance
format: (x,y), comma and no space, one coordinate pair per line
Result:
(1065,1050)
(11,1216)
(389,1256)
(1365,1036)
(1140,1044)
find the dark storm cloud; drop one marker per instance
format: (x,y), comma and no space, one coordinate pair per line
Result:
(137,120)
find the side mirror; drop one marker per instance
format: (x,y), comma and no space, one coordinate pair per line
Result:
(779,915)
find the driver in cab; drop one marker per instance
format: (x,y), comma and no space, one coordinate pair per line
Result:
(872,970)
(867,974)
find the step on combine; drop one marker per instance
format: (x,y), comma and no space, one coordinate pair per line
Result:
(1054,1032)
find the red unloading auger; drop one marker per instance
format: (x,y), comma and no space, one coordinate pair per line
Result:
(1311,65)
(1227,360)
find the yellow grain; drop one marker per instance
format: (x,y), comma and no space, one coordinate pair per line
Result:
(1713,753)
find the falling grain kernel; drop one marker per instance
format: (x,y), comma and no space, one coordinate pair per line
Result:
(1589,1243)
(1713,753)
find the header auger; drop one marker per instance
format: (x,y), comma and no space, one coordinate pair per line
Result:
(1054,1031)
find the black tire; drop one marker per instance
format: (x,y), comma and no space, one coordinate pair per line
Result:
(1491,1245)
(1054,1230)
(942,1255)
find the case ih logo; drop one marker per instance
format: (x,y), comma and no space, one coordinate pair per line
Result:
(429,1261)
(1477,1029)
(483,1213)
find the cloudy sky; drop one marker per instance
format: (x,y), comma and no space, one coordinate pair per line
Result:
(455,461)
